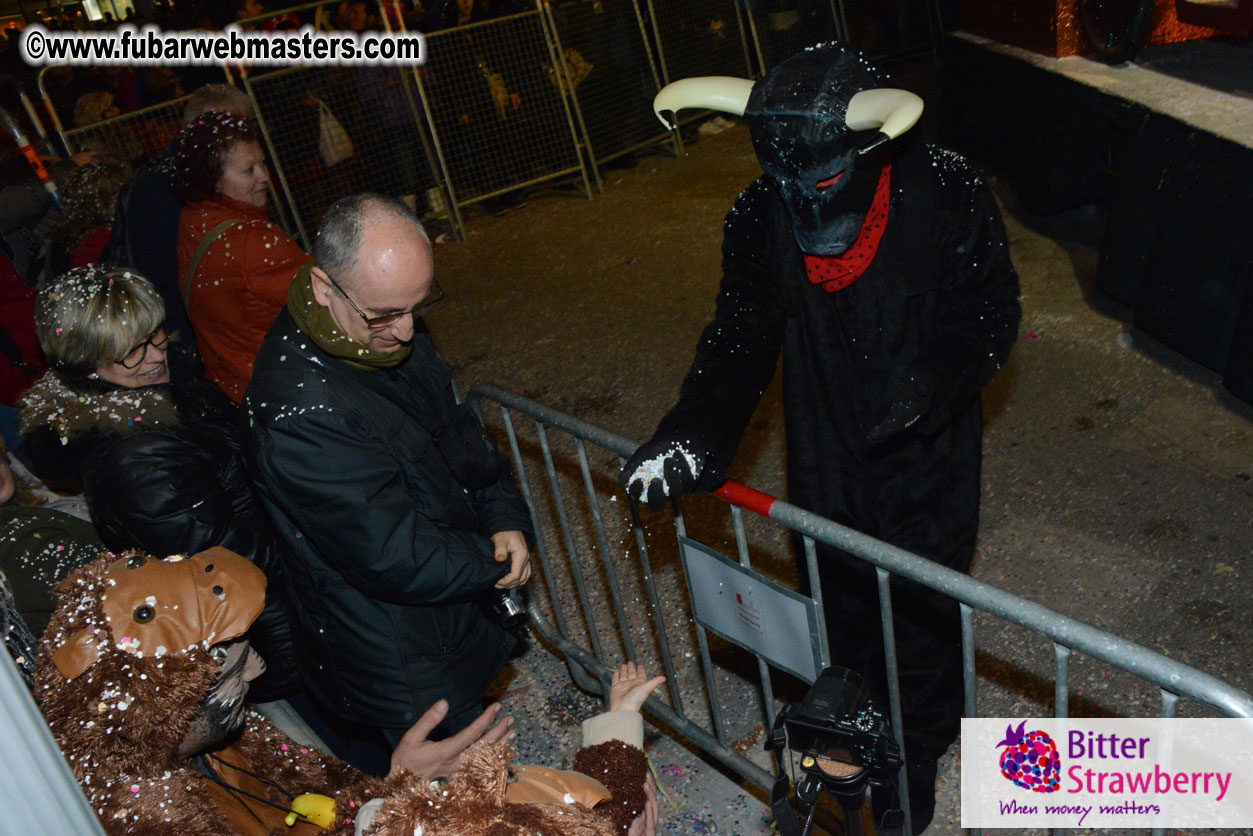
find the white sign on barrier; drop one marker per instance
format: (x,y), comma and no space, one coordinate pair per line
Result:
(1107,773)
(757,614)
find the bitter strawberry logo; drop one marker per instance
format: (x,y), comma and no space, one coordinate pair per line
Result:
(1030,759)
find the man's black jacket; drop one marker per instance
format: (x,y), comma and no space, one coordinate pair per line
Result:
(387,553)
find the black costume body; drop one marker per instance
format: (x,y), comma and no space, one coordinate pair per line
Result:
(387,551)
(931,319)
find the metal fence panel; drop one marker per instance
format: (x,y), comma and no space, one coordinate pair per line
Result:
(379,109)
(496,106)
(134,137)
(611,73)
(781,28)
(579,512)
(699,37)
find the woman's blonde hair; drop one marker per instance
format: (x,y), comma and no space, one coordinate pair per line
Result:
(92,317)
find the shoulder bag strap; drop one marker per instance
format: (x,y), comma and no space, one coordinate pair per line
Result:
(212,236)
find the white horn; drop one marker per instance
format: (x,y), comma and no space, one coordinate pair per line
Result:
(890,110)
(718,92)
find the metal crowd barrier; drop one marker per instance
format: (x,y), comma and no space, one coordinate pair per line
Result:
(638,606)
(507,103)
(494,96)
(700,37)
(137,137)
(611,74)
(373,112)
(133,137)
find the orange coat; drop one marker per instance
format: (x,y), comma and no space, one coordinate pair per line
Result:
(239,287)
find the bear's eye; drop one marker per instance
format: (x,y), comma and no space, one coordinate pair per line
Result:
(144,613)
(136,561)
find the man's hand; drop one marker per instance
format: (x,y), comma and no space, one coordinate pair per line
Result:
(645,823)
(663,467)
(431,759)
(511,546)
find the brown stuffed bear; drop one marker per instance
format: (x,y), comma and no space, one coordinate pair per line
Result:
(142,680)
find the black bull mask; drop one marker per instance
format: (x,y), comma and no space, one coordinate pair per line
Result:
(820,123)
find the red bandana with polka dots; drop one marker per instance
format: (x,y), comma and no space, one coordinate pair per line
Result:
(836,272)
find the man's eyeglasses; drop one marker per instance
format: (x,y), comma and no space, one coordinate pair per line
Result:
(375,323)
(158,339)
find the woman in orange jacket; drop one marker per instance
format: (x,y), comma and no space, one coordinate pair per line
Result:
(234,263)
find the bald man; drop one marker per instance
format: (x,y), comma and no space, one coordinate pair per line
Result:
(397,513)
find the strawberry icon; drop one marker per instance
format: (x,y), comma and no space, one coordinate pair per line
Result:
(1030,759)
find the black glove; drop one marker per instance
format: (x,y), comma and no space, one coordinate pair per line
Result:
(911,401)
(666,466)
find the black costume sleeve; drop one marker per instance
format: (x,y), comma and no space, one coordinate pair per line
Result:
(739,348)
(343,490)
(979,308)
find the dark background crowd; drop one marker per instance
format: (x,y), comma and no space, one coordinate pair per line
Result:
(40,238)
(85,95)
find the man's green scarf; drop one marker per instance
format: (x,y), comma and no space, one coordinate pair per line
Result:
(316,321)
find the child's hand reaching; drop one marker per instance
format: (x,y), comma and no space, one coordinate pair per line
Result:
(630,687)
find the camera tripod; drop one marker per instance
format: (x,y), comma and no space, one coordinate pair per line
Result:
(846,782)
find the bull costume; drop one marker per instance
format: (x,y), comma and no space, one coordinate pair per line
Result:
(878,266)
(143,678)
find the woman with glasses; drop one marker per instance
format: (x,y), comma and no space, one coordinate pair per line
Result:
(234,264)
(125,416)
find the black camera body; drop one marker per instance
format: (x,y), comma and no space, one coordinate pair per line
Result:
(838,722)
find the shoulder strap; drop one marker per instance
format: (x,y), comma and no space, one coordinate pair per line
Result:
(212,236)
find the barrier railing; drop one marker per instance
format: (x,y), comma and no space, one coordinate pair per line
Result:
(612,76)
(503,104)
(333,131)
(133,137)
(700,37)
(137,137)
(579,548)
(495,95)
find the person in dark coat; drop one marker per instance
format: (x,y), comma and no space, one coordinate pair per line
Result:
(396,513)
(145,222)
(878,266)
(124,417)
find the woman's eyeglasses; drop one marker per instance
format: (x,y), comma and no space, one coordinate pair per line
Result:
(375,323)
(158,339)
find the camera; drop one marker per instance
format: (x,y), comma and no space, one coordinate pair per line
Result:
(837,724)
(502,608)
(841,742)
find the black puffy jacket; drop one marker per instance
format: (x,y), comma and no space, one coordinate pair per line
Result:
(386,552)
(161,470)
